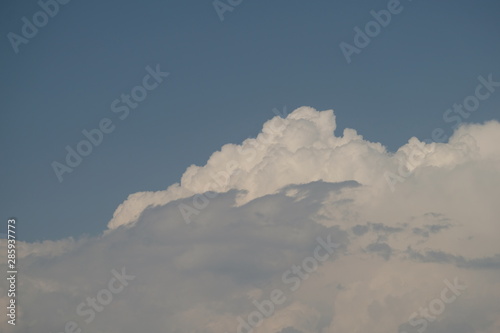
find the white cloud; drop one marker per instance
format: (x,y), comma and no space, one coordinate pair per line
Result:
(279,192)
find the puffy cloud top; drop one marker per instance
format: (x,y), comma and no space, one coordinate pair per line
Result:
(303,148)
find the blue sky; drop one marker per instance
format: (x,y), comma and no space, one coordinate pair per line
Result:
(225,79)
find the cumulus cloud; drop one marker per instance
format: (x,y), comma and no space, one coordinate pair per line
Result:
(405,224)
